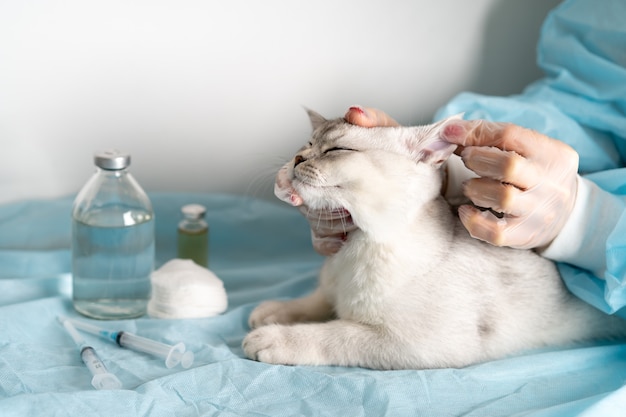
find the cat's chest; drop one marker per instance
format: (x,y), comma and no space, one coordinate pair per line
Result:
(360,281)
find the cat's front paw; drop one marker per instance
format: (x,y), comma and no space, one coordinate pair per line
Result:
(271,312)
(273,344)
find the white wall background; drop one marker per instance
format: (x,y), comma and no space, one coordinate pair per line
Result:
(207,95)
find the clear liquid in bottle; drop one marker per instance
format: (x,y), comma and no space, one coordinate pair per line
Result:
(112,246)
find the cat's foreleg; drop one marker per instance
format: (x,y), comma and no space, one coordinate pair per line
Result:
(337,342)
(312,308)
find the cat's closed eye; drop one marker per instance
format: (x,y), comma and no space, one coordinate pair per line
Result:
(337,148)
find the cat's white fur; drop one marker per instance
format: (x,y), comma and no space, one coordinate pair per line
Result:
(410,288)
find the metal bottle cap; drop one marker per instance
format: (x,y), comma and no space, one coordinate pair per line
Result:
(193,211)
(112,160)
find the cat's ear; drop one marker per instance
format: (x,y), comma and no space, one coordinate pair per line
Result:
(316,118)
(436,151)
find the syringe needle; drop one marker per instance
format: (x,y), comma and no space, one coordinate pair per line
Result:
(172,354)
(101,377)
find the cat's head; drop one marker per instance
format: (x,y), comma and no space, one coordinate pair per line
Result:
(367,170)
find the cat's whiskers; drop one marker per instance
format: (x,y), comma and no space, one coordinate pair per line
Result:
(262,180)
(319,217)
(331,216)
(343,225)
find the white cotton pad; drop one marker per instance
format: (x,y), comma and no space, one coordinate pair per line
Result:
(181,289)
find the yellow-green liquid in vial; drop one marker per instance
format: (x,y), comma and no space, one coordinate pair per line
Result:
(194,245)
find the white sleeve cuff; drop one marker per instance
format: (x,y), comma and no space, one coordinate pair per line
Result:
(582,241)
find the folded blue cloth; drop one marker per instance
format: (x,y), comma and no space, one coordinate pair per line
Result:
(261,250)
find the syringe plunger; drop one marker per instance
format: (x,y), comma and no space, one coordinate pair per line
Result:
(173,355)
(101,377)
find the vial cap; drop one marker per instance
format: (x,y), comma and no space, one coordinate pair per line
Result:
(111,160)
(193,211)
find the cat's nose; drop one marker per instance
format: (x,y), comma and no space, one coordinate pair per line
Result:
(298,160)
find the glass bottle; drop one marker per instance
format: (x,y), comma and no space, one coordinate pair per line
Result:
(112,242)
(193,235)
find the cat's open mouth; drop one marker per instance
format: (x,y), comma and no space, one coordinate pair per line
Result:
(340,212)
(327,213)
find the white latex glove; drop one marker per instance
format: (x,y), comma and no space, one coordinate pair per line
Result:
(528,177)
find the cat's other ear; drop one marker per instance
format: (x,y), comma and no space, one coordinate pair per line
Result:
(436,151)
(316,119)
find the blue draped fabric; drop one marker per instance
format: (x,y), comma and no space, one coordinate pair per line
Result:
(261,250)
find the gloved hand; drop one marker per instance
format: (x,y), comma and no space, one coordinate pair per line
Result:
(329,229)
(528,177)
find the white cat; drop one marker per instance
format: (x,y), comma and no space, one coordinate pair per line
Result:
(410,289)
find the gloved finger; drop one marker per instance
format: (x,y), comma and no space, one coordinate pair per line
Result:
(369,117)
(485,226)
(506,136)
(499,196)
(517,232)
(505,166)
(482,225)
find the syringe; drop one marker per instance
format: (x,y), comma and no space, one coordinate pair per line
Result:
(173,354)
(102,378)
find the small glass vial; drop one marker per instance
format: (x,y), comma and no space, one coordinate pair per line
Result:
(193,235)
(112,242)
